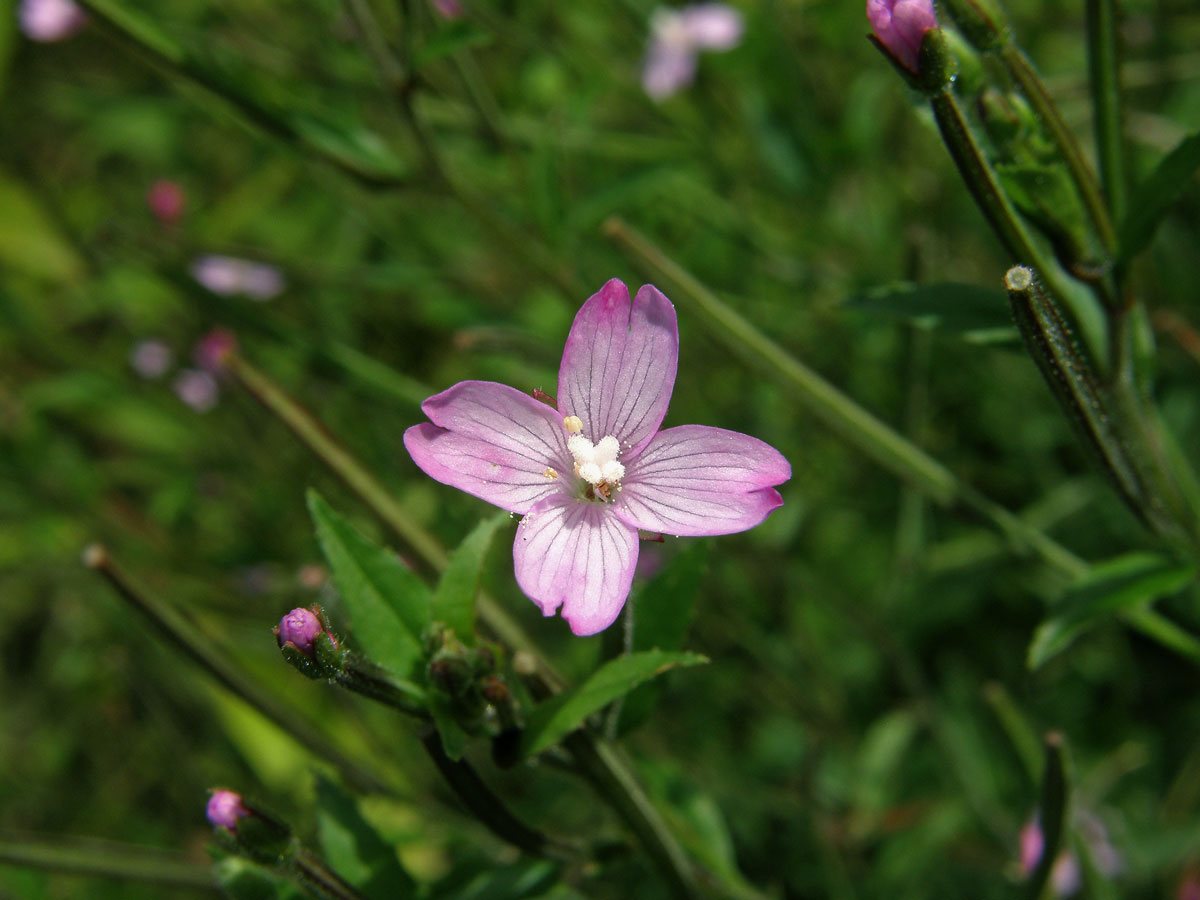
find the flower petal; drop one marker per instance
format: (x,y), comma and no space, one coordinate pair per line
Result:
(618,367)
(577,555)
(696,480)
(492,441)
(712,26)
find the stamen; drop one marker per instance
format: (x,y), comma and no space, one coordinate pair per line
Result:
(573,424)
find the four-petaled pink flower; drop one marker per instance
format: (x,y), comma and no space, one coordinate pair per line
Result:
(677,36)
(588,475)
(900,26)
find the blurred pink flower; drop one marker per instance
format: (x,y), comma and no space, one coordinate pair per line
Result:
(150,358)
(225,808)
(50,20)
(197,389)
(900,26)
(1189,887)
(677,36)
(587,476)
(449,9)
(228,275)
(1065,875)
(166,200)
(211,351)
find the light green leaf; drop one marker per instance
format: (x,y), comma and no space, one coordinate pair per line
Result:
(387,603)
(454,597)
(976,314)
(1150,202)
(1124,584)
(241,879)
(354,849)
(30,242)
(554,719)
(528,878)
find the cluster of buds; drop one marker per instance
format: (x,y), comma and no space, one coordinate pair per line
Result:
(467,677)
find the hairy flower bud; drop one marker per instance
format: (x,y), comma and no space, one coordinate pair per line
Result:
(300,628)
(225,808)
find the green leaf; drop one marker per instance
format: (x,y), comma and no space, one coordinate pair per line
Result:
(454,597)
(975,314)
(454,736)
(30,241)
(474,881)
(387,603)
(1124,584)
(451,38)
(354,849)
(554,719)
(662,613)
(1150,202)
(1045,193)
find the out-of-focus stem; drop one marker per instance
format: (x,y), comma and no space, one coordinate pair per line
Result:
(317,880)
(1052,813)
(105,859)
(187,639)
(1106,101)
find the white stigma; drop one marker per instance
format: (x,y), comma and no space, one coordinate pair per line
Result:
(597,463)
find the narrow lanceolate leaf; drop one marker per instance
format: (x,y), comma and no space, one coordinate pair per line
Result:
(354,849)
(387,603)
(454,597)
(1154,197)
(1122,585)
(1069,375)
(557,717)
(974,314)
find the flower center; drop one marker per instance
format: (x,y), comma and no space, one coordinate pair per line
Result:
(596,463)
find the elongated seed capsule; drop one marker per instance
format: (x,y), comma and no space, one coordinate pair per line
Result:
(1070,377)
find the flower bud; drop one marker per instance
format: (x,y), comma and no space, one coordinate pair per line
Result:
(981,22)
(212,351)
(225,808)
(300,628)
(900,27)
(166,200)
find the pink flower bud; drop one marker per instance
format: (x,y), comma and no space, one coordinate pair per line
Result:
(212,350)
(225,808)
(900,26)
(166,200)
(299,628)
(50,20)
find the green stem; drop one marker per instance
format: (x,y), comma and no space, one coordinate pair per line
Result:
(1106,100)
(1035,92)
(104,859)
(853,423)
(189,640)
(1052,811)
(317,880)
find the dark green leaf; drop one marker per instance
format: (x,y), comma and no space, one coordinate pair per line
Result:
(29,240)
(529,878)
(454,597)
(355,850)
(1123,584)
(387,603)
(241,879)
(554,719)
(976,314)
(662,613)
(1150,202)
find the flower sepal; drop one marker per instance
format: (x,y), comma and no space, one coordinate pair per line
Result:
(251,832)
(468,683)
(936,66)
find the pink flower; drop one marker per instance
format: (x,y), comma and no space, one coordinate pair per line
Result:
(225,808)
(228,275)
(900,26)
(50,20)
(197,389)
(150,358)
(300,628)
(212,351)
(677,36)
(166,200)
(449,9)
(1065,875)
(588,475)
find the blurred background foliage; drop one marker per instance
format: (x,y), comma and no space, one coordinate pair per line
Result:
(854,734)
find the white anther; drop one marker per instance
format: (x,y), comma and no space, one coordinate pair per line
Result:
(573,424)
